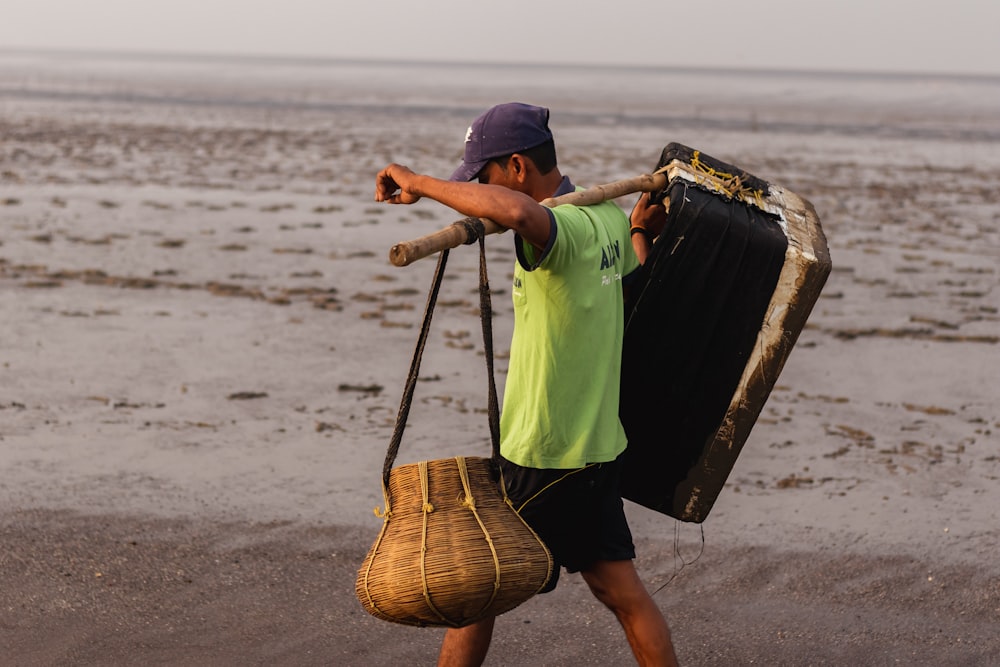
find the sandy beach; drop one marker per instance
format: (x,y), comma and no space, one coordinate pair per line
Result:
(204,346)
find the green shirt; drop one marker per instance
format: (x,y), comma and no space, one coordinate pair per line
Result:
(560,407)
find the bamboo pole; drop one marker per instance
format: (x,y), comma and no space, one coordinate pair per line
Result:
(458,233)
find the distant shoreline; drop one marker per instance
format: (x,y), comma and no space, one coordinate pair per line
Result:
(324,61)
(896,107)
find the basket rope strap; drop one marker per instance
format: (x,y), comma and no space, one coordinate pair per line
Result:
(486,316)
(411,379)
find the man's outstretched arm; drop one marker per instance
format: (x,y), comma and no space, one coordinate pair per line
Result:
(509,208)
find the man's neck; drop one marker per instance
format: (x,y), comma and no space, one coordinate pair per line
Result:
(547,185)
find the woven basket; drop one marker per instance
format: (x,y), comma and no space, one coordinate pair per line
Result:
(451,551)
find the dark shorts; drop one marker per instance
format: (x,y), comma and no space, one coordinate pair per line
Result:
(578,513)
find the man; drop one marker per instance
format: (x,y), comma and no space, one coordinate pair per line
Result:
(561,438)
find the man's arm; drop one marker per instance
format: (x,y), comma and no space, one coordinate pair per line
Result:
(515,210)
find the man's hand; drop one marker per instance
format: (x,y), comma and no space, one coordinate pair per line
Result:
(394,185)
(651,217)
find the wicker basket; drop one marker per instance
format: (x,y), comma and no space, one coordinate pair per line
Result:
(451,550)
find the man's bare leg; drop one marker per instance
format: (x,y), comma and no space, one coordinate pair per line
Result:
(467,646)
(617,585)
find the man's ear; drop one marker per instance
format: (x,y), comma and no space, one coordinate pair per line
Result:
(519,167)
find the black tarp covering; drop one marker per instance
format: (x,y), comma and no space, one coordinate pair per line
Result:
(692,319)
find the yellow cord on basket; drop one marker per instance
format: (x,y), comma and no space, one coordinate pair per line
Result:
(510,504)
(386,515)
(470,502)
(428,508)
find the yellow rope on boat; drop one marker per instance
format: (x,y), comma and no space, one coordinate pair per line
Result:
(731,184)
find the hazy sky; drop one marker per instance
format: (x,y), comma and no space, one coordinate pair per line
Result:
(954,36)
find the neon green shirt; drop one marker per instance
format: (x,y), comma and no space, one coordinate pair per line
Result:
(560,407)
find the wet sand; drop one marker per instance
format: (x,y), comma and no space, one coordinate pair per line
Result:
(204,347)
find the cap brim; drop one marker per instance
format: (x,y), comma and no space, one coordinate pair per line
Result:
(468,171)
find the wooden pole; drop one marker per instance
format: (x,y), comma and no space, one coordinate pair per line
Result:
(457,233)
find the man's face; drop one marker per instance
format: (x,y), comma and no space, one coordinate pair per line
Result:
(493,174)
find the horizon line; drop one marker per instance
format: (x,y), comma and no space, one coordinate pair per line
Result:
(314,59)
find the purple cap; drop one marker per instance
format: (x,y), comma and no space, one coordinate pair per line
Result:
(503,130)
